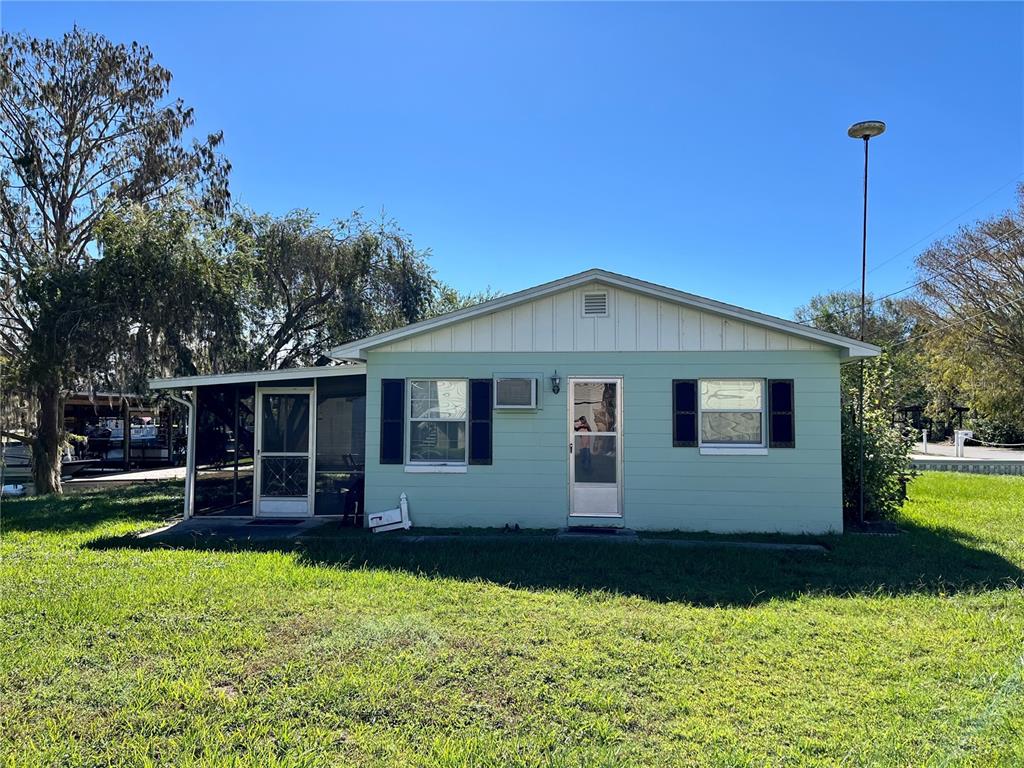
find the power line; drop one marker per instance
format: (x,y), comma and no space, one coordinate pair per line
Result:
(938,229)
(973,255)
(955,323)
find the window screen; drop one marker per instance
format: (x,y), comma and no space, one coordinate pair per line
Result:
(438,410)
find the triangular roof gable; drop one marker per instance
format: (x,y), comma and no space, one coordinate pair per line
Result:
(734,317)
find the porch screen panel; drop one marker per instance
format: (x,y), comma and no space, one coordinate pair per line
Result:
(225,429)
(340,445)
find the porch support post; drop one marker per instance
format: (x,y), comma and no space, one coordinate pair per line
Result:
(190,450)
(126,436)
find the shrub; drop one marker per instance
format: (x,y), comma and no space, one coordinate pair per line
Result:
(995,429)
(886,446)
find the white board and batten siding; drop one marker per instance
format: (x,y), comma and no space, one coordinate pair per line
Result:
(633,323)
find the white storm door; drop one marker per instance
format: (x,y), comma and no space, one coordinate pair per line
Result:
(595,447)
(284,476)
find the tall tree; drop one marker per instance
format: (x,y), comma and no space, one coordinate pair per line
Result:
(972,312)
(889,323)
(85,127)
(448,299)
(166,296)
(307,287)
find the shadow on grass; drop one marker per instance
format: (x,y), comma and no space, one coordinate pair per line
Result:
(927,560)
(921,560)
(80,511)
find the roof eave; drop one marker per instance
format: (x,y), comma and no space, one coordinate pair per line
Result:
(242,377)
(860,351)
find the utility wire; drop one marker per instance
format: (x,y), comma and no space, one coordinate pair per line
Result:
(938,229)
(973,255)
(955,323)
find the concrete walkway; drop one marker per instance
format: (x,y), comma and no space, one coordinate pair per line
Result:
(769,546)
(629,536)
(124,479)
(234,529)
(155,475)
(237,529)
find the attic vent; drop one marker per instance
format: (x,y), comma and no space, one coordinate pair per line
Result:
(595,304)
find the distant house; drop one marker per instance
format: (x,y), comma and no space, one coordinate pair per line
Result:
(596,400)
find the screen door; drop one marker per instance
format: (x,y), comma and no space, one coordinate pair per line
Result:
(285,422)
(595,447)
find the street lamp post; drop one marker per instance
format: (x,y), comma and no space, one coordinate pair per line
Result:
(863,130)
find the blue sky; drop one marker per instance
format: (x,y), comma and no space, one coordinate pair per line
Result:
(700,146)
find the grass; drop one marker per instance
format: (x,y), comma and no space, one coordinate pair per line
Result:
(357,651)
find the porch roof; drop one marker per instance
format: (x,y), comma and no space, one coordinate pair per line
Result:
(283,374)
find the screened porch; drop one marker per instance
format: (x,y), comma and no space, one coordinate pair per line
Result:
(275,444)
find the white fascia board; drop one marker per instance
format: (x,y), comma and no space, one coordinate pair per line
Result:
(849,348)
(852,347)
(241,378)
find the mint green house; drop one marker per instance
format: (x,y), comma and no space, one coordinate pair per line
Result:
(594,400)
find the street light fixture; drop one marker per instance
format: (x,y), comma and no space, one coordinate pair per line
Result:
(865,130)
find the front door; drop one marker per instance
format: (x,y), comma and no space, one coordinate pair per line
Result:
(595,447)
(284,477)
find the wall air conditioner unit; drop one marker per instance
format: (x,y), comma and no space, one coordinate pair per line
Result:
(515,394)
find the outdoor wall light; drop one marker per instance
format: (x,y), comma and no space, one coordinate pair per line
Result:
(556,383)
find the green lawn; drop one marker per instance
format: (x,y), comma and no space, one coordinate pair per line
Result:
(889,651)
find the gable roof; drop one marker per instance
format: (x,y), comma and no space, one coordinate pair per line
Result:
(848,348)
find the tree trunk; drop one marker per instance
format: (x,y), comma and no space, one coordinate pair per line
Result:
(49,436)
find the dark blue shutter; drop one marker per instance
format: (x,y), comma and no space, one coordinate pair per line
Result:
(781,412)
(480,427)
(392,421)
(684,413)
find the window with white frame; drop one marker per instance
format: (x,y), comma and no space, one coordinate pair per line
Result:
(438,414)
(732,412)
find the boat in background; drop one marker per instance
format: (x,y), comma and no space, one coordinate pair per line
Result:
(17,464)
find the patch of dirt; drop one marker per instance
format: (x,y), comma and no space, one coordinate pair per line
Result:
(288,640)
(228,690)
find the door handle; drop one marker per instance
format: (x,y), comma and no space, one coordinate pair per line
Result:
(570,448)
